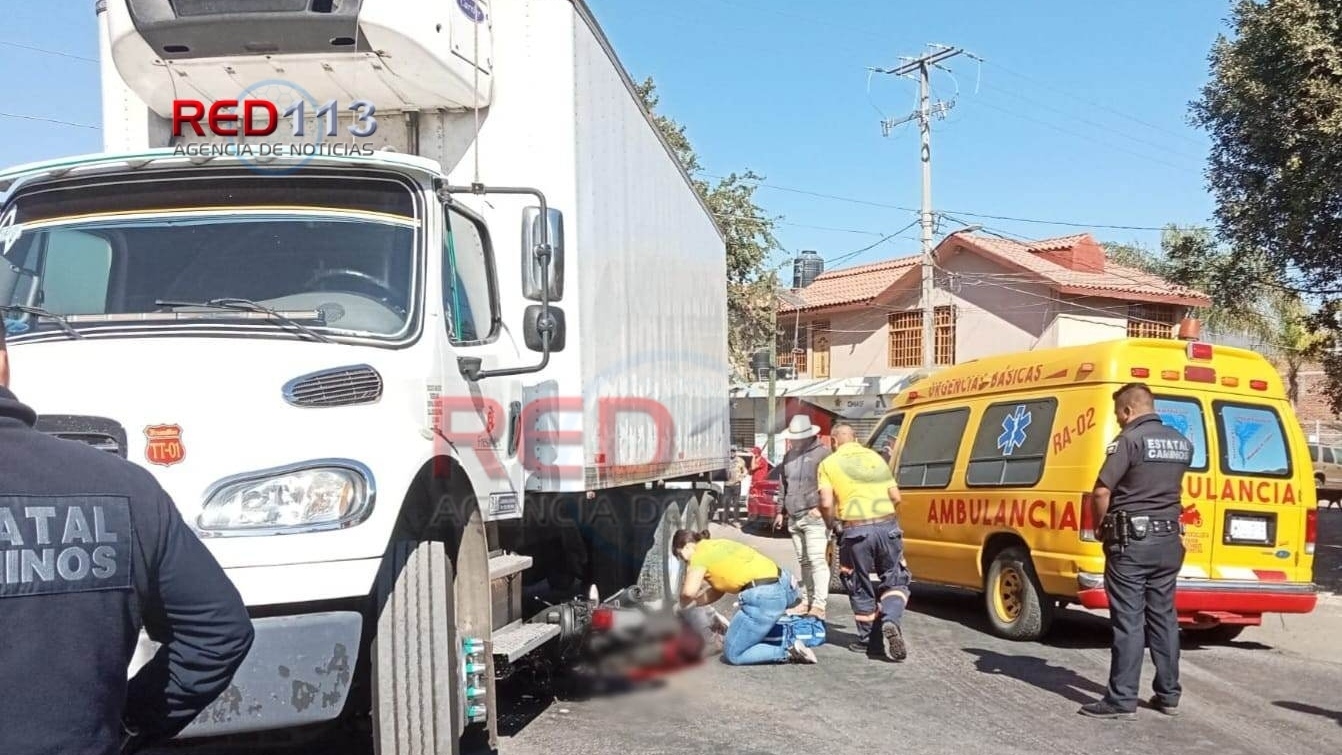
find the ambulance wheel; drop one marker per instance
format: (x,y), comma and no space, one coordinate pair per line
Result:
(1017,607)
(415,656)
(836,584)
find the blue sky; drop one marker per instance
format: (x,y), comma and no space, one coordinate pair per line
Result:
(1078,113)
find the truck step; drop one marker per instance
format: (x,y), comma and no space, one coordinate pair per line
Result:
(507,565)
(518,639)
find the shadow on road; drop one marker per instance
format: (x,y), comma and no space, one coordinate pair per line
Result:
(1039,673)
(1312,710)
(1071,629)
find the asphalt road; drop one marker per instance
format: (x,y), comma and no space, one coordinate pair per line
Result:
(1275,691)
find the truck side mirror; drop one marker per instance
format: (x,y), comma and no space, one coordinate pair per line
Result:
(531,266)
(534,323)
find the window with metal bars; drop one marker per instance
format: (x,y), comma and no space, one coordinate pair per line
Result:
(906,337)
(1151,320)
(792,340)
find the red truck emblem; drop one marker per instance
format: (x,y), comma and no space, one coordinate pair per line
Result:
(1190,515)
(164,445)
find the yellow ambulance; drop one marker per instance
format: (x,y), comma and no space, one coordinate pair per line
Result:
(996,459)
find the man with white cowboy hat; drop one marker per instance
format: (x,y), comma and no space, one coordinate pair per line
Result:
(800,496)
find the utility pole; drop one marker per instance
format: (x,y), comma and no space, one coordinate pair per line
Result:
(922,66)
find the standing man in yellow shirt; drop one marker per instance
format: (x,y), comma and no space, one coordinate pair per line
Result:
(858,481)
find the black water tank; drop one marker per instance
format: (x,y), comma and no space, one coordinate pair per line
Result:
(806,268)
(759,364)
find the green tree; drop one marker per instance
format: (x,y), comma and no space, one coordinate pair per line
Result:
(750,241)
(1247,299)
(1273,108)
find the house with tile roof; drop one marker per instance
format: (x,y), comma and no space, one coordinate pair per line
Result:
(992,295)
(851,338)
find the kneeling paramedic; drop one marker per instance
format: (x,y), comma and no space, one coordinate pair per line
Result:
(763,590)
(1136,501)
(91,549)
(858,481)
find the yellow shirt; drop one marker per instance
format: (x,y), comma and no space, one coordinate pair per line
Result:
(860,479)
(729,565)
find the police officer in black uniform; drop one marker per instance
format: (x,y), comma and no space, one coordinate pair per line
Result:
(1137,499)
(91,550)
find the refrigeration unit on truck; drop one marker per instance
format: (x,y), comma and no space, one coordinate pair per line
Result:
(424,387)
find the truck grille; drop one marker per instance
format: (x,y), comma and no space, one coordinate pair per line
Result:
(101,433)
(340,386)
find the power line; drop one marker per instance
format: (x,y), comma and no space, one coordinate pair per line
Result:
(1092,103)
(1079,135)
(22,117)
(870,203)
(45,51)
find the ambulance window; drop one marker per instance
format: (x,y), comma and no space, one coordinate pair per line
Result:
(1185,415)
(885,438)
(930,447)
(1253,441)
(1011,443)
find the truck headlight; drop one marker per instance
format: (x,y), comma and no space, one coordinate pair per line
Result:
(318,495)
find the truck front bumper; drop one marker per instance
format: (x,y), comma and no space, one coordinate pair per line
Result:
(1207,601)
(298,672)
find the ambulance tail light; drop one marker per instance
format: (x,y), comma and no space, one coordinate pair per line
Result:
(1169,374)
(1258,385)
(1087,520)
(1311,530)
(1141,372)
(1199,374)
(1230,382)
(1199,350)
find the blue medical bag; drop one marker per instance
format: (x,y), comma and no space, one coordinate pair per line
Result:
(809,629)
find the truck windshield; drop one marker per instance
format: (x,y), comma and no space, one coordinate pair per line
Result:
(333,271)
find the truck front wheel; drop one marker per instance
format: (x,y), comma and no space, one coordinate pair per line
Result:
(418,701)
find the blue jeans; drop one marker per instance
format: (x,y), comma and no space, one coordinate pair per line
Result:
(761,608)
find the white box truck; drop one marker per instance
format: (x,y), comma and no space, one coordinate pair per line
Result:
(426,365)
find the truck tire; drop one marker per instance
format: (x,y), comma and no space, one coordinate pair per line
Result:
(659,577)
(1016,604)
(418,702)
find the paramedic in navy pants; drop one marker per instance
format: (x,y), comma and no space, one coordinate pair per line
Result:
(1141,481)
(856,487)
(763,590)
(91,549)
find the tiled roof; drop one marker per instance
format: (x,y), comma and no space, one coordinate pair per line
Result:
(852,285)
(1113,280)
(863,284)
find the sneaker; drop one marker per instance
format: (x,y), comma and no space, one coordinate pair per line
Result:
(859,646)
(894,643)
(799,653)
(1168,709)
(1106,709)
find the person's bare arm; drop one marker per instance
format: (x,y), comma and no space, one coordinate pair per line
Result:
(694,581)
(827,506)
(1099,503)
(893,493)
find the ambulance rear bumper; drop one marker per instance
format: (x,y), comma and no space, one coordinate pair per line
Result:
(1224,599)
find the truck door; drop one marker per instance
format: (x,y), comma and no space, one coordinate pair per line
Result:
(486,414)
(1188,415)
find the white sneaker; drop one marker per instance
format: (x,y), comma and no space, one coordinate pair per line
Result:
(799,653)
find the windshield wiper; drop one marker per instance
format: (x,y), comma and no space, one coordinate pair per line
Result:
(39,312)
(247,305)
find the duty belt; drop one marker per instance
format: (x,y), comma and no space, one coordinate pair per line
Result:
(865,522)
(1122,527)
